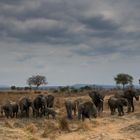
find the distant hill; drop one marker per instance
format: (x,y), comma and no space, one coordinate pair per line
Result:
(4,87)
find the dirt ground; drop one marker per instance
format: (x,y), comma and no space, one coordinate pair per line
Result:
(105,127)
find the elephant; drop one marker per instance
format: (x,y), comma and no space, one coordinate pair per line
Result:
(10,109)
(70,107)
(86,110)
(50,111)
(14,109)
(50,100)
(24,105)
(38,105)
(98,100)
(7,109)
(117,103)
(129,95)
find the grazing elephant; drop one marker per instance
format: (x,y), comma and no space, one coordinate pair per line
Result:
(98,100)
(86,110)
(117,103)
(50,111)
(38,105)
(129,95)
(70,107)
(24,105)
(50,100)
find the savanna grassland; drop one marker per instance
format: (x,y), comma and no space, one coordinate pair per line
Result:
(105,127)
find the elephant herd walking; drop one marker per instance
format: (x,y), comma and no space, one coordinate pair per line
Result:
(42,105)
(93,108)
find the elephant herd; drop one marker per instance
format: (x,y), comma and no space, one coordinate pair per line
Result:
(42,105)
(93,108)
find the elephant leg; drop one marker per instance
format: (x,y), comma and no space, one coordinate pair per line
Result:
(27,113)
(122,110)
(16,114)
(74,111)
(132,105)
(119,111)
(67,109)
(69,112)
(129,106)
(112,110)
(79,114)
(83,117)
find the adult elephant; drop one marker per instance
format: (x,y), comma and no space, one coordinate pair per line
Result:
(10,109)
(24,105)
(6,108)
(117,103)
(70,107)
(129,95)
(14,109)
(98,100)
(50,100)
(86,110)
(39,105)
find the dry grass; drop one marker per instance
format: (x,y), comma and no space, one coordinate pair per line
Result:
(50,128)
(8,124)
(63,124)
(105,127)
(31,128)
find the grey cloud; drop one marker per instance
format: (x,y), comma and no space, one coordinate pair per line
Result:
(99,23)
(17,22)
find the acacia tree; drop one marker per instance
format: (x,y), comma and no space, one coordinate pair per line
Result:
(123,79)
(36,80)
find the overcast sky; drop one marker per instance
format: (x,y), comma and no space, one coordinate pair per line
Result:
(69,41)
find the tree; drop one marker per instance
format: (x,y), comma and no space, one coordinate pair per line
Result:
(13,87)
(36,80)
(123,79)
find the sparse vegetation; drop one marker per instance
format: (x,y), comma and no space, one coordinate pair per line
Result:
(61,128)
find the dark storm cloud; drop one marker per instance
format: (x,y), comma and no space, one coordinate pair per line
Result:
(69,41)
(99,23)
(68,22)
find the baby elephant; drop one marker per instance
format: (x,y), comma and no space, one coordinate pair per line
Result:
(50,111)
(117,103)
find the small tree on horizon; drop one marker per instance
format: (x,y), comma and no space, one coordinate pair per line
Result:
(123,79)
(36,80)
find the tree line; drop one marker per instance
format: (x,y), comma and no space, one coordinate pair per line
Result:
(121,79)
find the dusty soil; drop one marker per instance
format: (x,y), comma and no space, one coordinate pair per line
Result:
(105,127)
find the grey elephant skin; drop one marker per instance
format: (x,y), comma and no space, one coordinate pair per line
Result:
(50,101)
(129,95)
(38,105)
(10,109)
(70,108)
(98,100)
(24,105)
(117,103)
(87,110)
